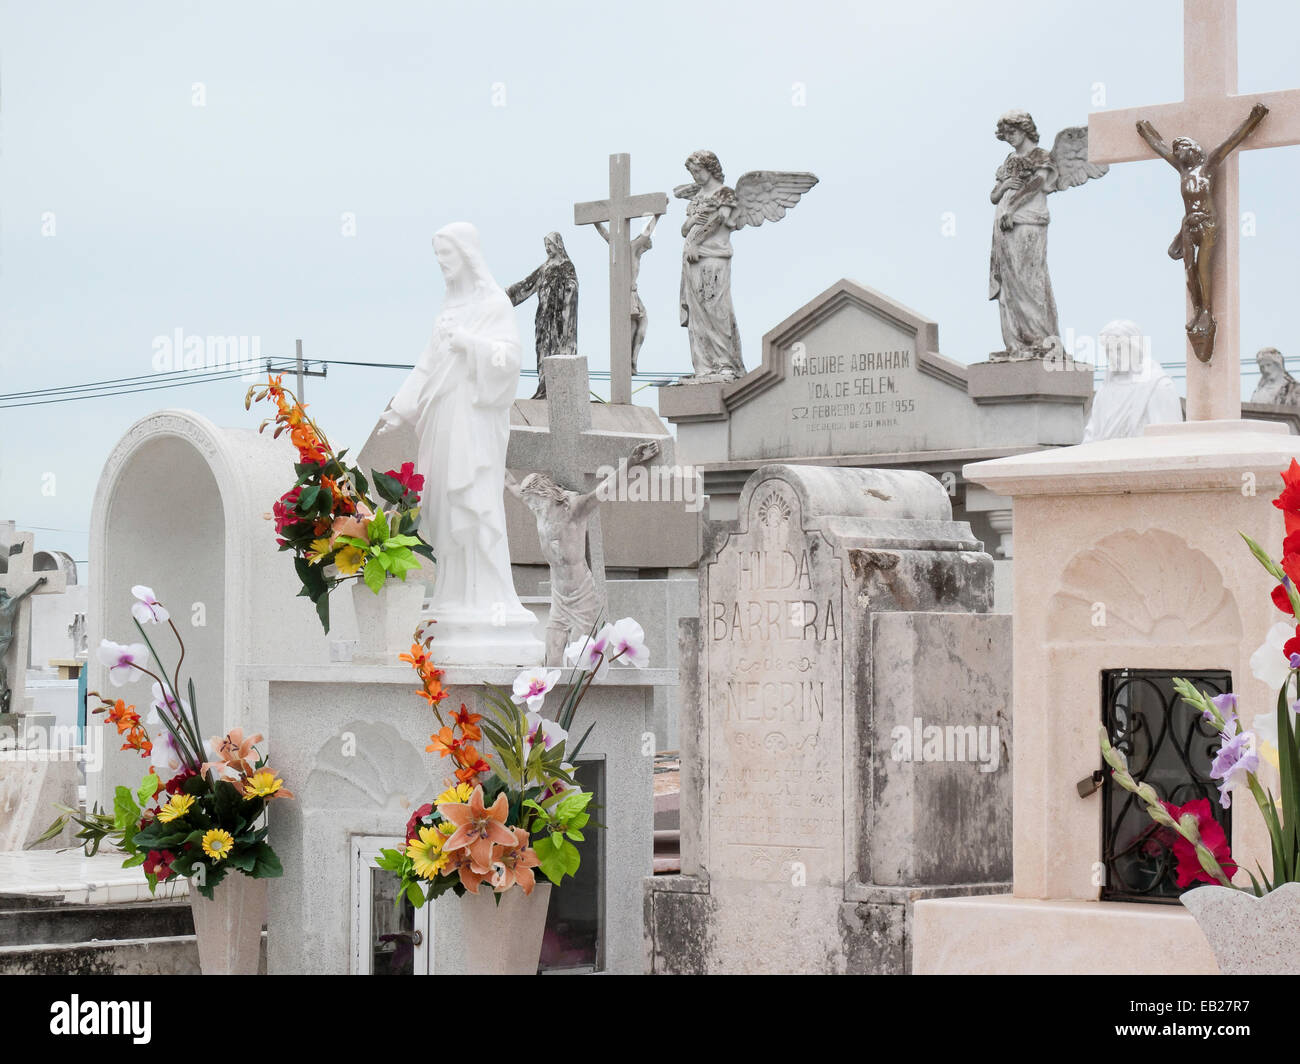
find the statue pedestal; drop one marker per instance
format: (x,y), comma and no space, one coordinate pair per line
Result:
(495,636)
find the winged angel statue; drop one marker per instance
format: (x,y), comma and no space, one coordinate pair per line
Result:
(714,211)
(1018,277)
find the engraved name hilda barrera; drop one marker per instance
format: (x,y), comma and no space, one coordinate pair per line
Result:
(775,626)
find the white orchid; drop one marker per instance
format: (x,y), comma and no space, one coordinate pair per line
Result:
(125,661)
(532,685)
(147,609)
(627,642)
(549,730)
(590,653)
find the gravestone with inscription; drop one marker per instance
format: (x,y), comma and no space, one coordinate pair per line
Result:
(854,378)
(845,728)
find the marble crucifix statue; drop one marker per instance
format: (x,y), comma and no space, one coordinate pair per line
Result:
(616,212)
(577,460)
(18,582)
(1209,113)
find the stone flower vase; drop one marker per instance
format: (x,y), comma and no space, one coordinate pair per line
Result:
(386,621)
(1249,935)
(229,927)
(505,939)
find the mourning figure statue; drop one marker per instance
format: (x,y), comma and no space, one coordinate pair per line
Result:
(555,283)
(1018,277)
(1199,232)
(713,213)
(1276,386)
(562,517)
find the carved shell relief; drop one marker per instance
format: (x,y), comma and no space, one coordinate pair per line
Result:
(1148,587)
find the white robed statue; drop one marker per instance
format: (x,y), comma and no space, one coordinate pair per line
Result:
(458,399)
(1137,391)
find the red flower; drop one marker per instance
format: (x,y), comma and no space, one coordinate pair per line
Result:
(413,825)
(176,784)
(1292,645)
(1289,501)
(159,864)
(1282,600)
(408,477)
(286,510)
(1189,868)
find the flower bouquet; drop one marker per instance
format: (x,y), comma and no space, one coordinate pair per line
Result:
(336,531)
(511,807)
(198,811)
(1200,846)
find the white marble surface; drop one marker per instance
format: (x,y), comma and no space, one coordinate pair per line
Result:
(75,879)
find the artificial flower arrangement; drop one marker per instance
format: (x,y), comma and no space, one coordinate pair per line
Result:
(1201,847)
(513,806)
(198,811)
(336,531)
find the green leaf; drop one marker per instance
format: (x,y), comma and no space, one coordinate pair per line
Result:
(377,530)
(415,894)
(390,488)
(267,864)
(125,812)
(307,497)
(374,575)
(149,786)
(1263,558)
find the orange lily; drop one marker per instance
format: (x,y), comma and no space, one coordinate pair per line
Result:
(478,828)
(443,743)
(515,865)
(468,723)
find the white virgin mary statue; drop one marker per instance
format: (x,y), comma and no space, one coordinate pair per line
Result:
(458,399)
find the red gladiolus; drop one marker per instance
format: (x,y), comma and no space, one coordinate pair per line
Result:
(1189,867)
(1282,600)
(1289,501)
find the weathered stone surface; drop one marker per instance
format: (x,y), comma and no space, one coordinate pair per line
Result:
(787,783)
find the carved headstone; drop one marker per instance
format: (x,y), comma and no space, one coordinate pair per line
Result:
(838,615)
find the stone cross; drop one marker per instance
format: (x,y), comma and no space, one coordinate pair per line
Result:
(569,449)
(1210,110)
(618,210)
(17,552)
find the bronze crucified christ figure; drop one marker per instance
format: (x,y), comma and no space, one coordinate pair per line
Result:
(1199,232)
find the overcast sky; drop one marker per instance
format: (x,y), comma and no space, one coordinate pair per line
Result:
(127,212)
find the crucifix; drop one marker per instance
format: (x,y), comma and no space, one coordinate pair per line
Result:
(1209,114)
(18,582)
(618,210)
(575,455)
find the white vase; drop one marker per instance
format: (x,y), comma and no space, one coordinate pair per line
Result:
(504,939)
(1249,935)
(386,621)
(229,926)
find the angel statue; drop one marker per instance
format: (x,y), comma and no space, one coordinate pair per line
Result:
(1196,237)
(1018,277)
(713,212)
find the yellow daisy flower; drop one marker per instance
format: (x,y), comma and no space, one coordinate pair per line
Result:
(318,549)
(177,806)
(458,794)
(426,852)
(261,785)
(217,843)
(349,560)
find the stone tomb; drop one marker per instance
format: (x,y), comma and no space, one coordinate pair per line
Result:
(854,378)
(350,742)
(1140,534)
(829,774)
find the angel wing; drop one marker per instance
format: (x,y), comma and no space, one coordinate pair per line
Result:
(686,191)
(765,195)
(1070,154)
